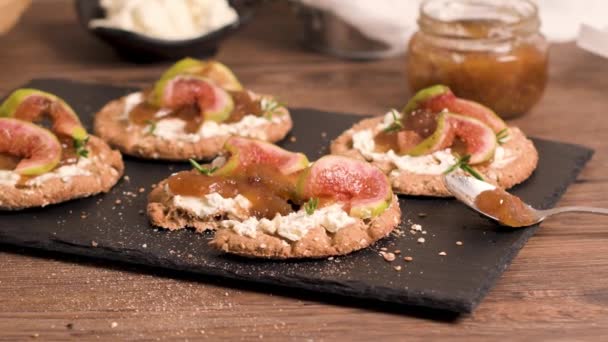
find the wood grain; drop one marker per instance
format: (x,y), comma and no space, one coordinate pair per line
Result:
(557,288)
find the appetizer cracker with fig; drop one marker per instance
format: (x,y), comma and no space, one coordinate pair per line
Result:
(40,166)
(267,202)
(437,133)
(189,113)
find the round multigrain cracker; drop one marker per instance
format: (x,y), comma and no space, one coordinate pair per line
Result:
(521,163)
(112,126)
(317,243)
(103,171)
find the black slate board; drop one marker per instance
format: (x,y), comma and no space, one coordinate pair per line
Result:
(456,282)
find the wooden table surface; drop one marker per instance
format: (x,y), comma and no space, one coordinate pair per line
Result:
(557,287)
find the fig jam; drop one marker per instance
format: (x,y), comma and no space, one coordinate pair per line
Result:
(508,209)
(8,162)
(268,190)
(244,104)
(386,141)
(145,113)
(488,51)
(68,152)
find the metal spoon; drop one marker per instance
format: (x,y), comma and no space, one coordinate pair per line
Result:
(466,189)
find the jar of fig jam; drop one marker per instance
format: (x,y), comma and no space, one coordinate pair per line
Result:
(489,51)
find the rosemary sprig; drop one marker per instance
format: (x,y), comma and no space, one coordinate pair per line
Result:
(204,170)
(396,126)
(463,163)
(271,107)
(502,136)
(151,126)
(80,145)
(311,205)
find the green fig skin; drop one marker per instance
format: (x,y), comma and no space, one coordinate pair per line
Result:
(217,111)
(213,70)
(65,119)
(241,156)
(423,96)
(440,98)
(39,147)
(442,138)
(478,137)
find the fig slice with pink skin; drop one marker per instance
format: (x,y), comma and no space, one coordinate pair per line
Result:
(213,102)
(442,138)
(215,71)
(440,98)
(479,139)
(246,152)
(33,105)
(38,147)
(363,188)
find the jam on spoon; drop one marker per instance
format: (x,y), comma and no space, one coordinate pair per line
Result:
(509,210)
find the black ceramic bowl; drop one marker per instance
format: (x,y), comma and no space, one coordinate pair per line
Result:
(141,48)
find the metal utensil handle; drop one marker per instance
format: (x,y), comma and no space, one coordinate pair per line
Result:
(590,210)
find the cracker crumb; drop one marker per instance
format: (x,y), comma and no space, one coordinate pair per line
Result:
(113,325)
(144,245)
(424,232)
(118,201)
(35,335)
(421,240)
(141,190)
(94,243)
(408,258)
(422,214)
(397,268)
(442,253)
(127,178)
(416,227)
(323,134)
(330,258)
(459,243)
(397,251)
(384,249)
(293,138)
(388,256)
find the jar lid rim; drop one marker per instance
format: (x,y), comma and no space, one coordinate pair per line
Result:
(499,18)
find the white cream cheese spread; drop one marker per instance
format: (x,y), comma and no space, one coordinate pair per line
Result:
(431,164)
(213,204)
(293,226)
(65,173)
(173,129)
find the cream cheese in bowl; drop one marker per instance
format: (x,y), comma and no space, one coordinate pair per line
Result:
(167,19)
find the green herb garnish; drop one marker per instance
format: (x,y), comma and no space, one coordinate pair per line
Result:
(270,107)
(311,205)
(396,126)
(463,163)
(80,145)
(502,136)
(201,169)
(151,127)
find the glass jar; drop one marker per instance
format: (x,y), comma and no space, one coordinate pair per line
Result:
(489,51)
